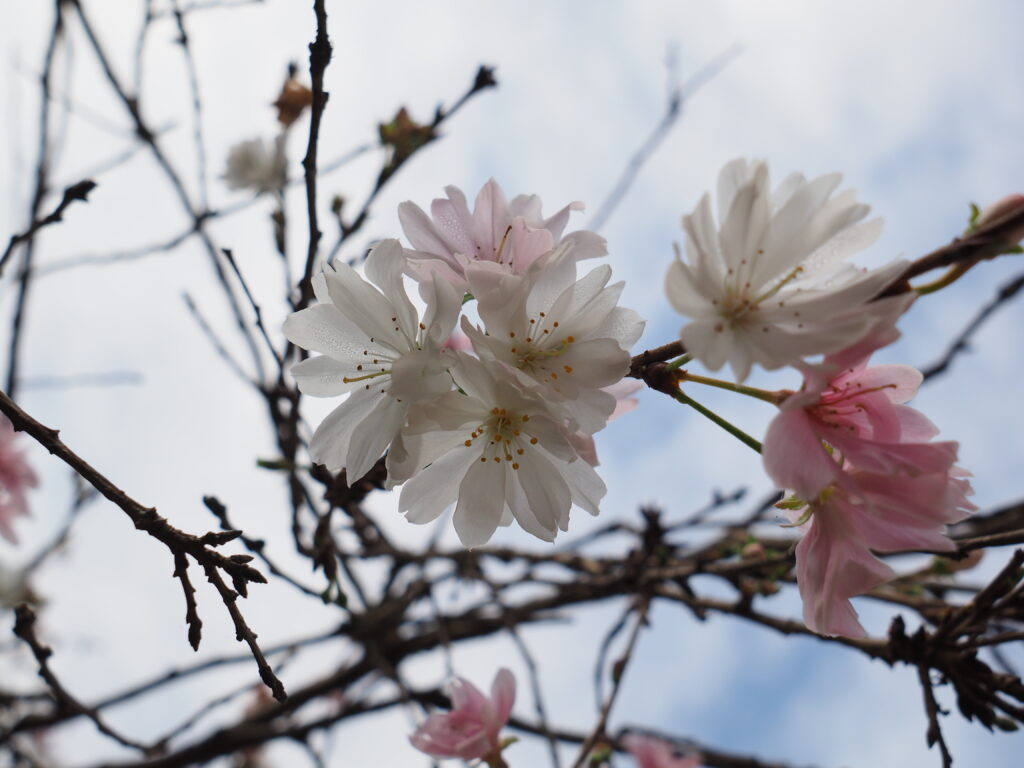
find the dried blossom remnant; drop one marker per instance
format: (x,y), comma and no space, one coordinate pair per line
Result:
(16,477)
(257,165)
(770,284)
(472,730)
(403,136)
(293,100)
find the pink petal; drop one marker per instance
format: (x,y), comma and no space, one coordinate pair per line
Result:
(794,456)
(833,565)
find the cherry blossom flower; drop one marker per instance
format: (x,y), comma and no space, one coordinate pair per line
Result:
(498,453)
(507,237)
(857,412)
(373,345)
(472,729)
(867,475)
(565,338)
(257,165)
(770,283)
(16,477)
(655,753)
(834,559)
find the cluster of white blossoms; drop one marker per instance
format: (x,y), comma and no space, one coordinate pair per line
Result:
(502,427)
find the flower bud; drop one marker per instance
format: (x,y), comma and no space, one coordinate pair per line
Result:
(1011,205)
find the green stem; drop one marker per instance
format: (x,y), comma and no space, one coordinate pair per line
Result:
(679,362)
(954,274)
(733,430)
(775,398)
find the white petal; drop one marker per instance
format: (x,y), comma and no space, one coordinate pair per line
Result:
(734,174)
(366,307)
(322,328)
(545,488)
(385,266)
(490,219)
(444,303)
(420,231)
(481,502)
(745,229)
(453,221)
(709,341)
(787,244)
(683,292)
(523,513)
(371,436)
(323,376)
(330,442)
(435,488)
(585,484)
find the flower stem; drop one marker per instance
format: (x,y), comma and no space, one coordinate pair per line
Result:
(679,362)
(733,430)
(775,398)
(954,274)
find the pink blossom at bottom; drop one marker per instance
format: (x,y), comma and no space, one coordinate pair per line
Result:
(472,729)
(16,477)
(654,753)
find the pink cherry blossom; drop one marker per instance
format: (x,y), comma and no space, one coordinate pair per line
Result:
(869,477)
(472,729)
(860,413)
(16,477)
(497,235)
(655,753)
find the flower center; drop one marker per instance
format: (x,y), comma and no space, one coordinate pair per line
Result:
(503,437)
(377,364)
(737,303)
(534,355)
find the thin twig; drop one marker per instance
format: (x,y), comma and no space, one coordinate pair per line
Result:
(200,548)
(79,191)
(25,628)
(618,671)
(962,341)
(197,104)
(934,733)
(320,51)
(215,342)
(677,98)
(255,307)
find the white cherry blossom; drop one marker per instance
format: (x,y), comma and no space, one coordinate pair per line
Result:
(499,454)
(564,337)
(372,344)
(504,236)
(770,284)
